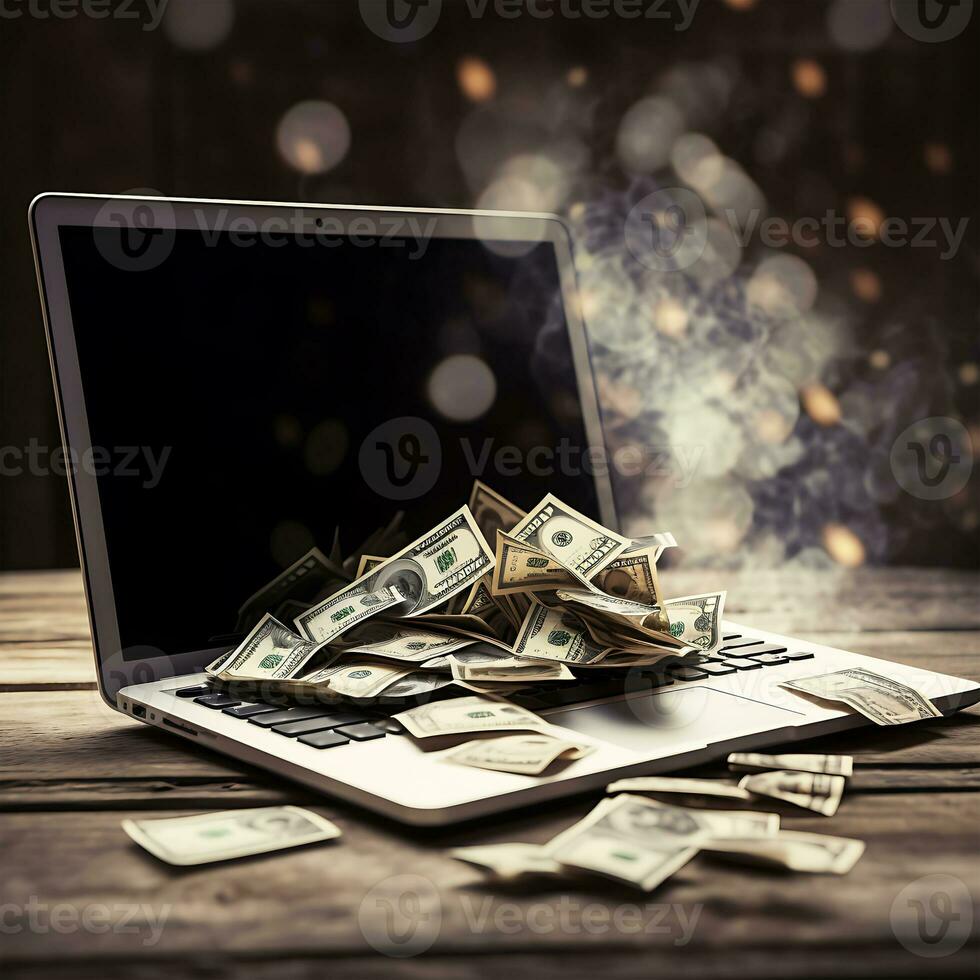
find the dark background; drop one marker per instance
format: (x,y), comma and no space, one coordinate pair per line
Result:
(102,106)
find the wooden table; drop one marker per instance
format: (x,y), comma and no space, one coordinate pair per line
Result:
(79,899)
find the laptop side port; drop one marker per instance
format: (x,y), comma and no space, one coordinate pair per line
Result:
(139,710)
(180,726)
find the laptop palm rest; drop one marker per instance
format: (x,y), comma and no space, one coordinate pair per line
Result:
(658,724)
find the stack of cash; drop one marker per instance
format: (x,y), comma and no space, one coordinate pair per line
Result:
(554,594)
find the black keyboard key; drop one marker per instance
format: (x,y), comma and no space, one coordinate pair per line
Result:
(361,733)
(687,673)
(716,670)
(746,641)
(770,659)
(799,655)
(216,701)
(743,663)
(765,648)
(294,728)
(247,710)
(287,714)
(193,692)
(693,659)
(732,636)
(323,740)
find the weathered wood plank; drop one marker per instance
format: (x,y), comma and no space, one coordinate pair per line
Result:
(47,664)
(311,901)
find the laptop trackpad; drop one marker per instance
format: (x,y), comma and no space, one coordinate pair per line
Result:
(665,723)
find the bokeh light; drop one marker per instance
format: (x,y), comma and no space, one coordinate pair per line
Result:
(859,25)
(647,134)
(843,545)
(866,285)
(809,78)
(820,403)
(476,79)
(783,286)
(198,25)
(462,387)
(313,136)
(865,216)
(326,447)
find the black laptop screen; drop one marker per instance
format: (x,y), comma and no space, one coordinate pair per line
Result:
(244,401)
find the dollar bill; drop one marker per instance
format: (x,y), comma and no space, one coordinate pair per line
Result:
(300,583)
(812,790)
(881,699)
(627,839)
(481,603)
(573,540)
(404,642)
(636,615)
(414,685)
(492,512)
(695,620)
(633,576)
(527,755)
(469,714)
(367,563)
(356,680)
(521,568)
(680,786)
(661,540)
(556,634)
(346,609)
(797,851)
(833,765)
(512,670)
(227,834)
(431,570)
(508,861)
(271,651)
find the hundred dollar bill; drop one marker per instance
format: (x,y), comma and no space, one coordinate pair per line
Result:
(352,680)
(527,755)
(633,576)
(833,765)
(329,620)
(617,610)
(661,540)
(414,685)
(491,511)
(301,583)
(816,853)
(570,538)
(521,568)
(368,563)
(673,784)
(695,620)
(470,714)
(556,634)
(446,561)
(508,861)
(629,839)
(400,641)
(512,669)
(812,790)
(883,700)
(229,834)
(271,651)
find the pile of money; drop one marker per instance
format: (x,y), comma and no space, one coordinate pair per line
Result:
(642,842)
(555,593)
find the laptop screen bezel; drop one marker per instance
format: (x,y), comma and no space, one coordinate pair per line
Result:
(50,212)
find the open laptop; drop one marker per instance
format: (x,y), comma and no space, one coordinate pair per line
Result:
(236,380)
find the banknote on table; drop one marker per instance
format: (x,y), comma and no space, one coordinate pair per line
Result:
(815,791)
(527,755)
(492,512)
(227,834)
(629,839)
(573,540)
(833,765)
(522,568)
(511,670)
(795,850)
(681,786)
(507,861)
(431,570)
(881,699)
(556,634)
(271,651)
(459,716)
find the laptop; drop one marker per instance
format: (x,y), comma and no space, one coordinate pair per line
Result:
(237,382)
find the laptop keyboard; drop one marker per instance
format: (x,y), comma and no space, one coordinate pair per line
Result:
(327,727)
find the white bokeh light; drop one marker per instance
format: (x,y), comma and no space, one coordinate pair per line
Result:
(313,136)
(647,134)
(198,25)
(462,387)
